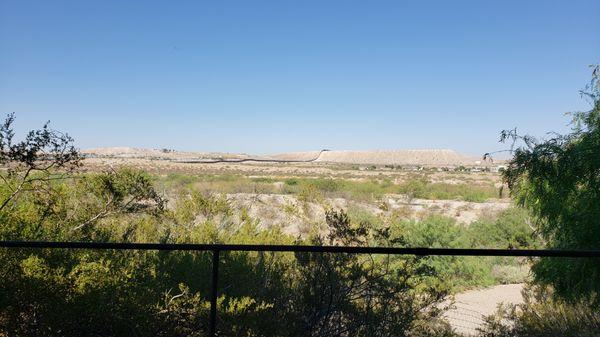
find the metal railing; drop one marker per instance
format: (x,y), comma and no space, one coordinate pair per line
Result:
(216,249)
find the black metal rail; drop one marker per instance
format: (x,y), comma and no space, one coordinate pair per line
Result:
(216,249)
(302,248)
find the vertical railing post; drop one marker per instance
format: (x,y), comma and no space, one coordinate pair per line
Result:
(213,295)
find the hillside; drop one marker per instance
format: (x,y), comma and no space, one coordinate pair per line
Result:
(374,157)
(385,157)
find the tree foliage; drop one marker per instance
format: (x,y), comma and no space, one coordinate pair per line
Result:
(558,179)
(30,164)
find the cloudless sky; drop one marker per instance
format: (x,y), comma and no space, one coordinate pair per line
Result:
(270,76)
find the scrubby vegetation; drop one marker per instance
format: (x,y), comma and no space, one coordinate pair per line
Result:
(113,293)
(417,187)
(101,292)
(159,293)
(165,293)
(467,272)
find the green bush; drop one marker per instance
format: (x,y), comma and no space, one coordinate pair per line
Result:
(442,232)
(467,272)
(511,230)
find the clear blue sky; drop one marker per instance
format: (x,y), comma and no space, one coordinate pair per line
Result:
(269,76)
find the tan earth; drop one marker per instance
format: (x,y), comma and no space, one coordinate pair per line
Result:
(296,218)
(469,308)
(387,157)
(425,157)
(278,209)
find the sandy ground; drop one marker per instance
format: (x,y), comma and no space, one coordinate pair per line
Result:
(296,217)
(463,211)
(132,152)
(469,308)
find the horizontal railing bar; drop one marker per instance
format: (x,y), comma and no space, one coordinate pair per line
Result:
(303,248)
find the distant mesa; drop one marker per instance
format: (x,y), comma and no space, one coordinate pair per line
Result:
(387,157)
(165,153)
(432,157)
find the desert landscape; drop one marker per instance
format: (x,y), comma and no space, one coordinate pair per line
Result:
(300,168)
(374,181)
(293,191)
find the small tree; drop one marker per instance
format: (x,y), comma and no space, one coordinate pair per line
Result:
(31,164)
(46,156)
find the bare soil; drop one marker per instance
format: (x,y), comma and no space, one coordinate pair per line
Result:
(470,307)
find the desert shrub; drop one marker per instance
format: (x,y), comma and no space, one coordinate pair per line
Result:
(506,273)
(422,189)
(511,229)
(367,190)
(291,182)
(309,193)
(402,213)
(175,181)
(460,273)
(263,180)
(189,206)
(360,215)
(291,209)
(441,232)
(326,185)
(413,188)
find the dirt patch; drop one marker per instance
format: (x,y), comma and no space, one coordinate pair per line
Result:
(462,211)
(470,307)
(296,217)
